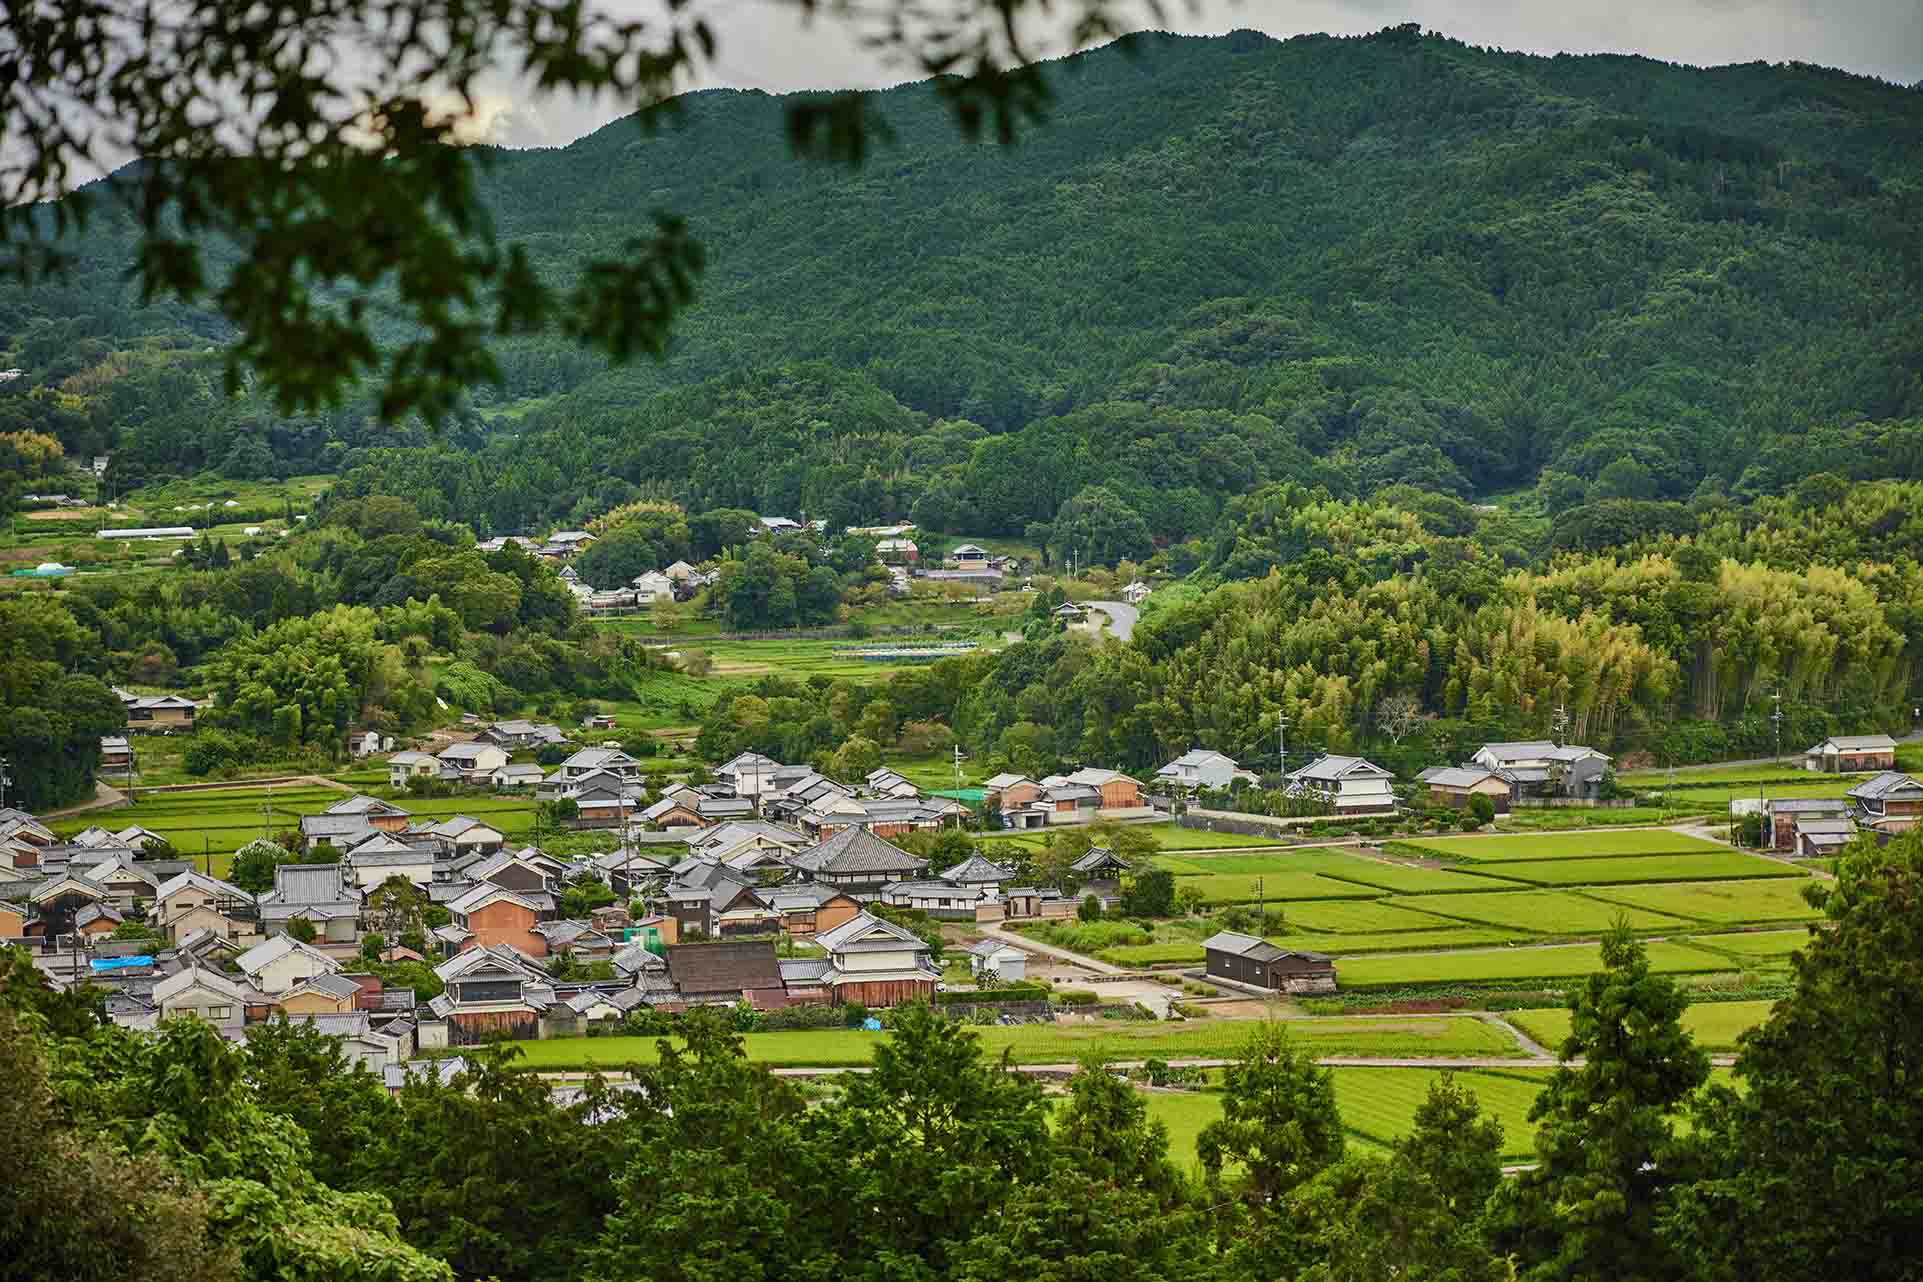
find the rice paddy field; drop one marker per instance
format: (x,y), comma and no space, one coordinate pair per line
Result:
(1714,1025)
(1513,965)
(1535,847)
(1757,947)
(1722,903)
(1727,865)
(1554,912)
(1378,1107)
(1387,1037)
(217,822)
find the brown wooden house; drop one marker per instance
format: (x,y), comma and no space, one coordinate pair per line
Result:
(1248,960)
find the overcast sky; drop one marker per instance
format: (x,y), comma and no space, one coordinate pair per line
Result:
(763,46)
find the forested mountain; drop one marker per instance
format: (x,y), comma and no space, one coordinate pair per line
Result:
(1222,263)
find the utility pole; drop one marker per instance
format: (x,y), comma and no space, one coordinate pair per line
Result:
(1261,909)
(1282,741)
(1561,723)
(1776,719)
(6,779)
(958,765)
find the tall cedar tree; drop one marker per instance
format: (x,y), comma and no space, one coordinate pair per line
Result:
(1587,1212)
(1815,1168)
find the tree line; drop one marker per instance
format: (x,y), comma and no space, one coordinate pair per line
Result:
(176,1155)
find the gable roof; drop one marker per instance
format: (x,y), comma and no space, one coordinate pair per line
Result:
(192,977)
(868,932)
(1329,767)
(487,893)
(469,751)
(1259,950)
(1887,784)
(200,881)
(362,804)
(493,956)
(1097,858)
(1001,782)
(725,967)
(1197,757)
(1857,743)
(329,982)
(1456,776)
(598,759)
(268,951)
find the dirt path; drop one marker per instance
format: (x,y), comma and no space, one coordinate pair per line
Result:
(103,796)
(1028,945)
(1528,1044)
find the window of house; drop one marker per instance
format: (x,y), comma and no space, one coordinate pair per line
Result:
(220,1012)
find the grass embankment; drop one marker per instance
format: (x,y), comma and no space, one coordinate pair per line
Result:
(1514,965)
(1386,1037)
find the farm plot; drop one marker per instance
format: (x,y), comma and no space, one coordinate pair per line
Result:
(1722,903)
(1177,951)
(1503,848)
(1370,916)
(1380,1103)
(1378,874)
(1714,1025)
(1549,912)
(1725,865)
(1229,888)
(1766,947)
(1511,965)
(1387,1038)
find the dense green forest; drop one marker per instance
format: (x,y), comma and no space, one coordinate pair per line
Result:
(1222,263)
(176,1155)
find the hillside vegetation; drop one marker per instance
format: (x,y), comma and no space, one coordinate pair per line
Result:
(1223,263)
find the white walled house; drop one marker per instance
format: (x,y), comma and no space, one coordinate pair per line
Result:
(1348,785)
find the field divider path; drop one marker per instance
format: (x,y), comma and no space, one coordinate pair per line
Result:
(1529,1044)
(1026,944)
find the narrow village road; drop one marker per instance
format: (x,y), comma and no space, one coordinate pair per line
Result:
(1121,618)
(1028,945)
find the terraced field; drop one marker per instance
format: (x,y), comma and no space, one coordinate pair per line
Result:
(1621,870)
(1180,951)
(1714,1025)
(1721,903)
(1762,947)
(1502,848)
(1552,912)
(1512,965)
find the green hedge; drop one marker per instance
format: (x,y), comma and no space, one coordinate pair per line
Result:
(982,996)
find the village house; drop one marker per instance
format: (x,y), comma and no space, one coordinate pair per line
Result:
(376,1049)
(191,901)
(876,963)
(857,861)
(1347,785)
(327,993)
(1890,803)
(282,963)
(940,899)
(1260,964)
(1817,838)
(1016,799)
(403,766)
(375,858)
(596,760)
(492,993)
(1852,754)
(489,916)
(807,910)
(320,894)
(517,778)
(97,921)
(524,734)
(459,836)
(746,774)
(651,587)
(1539,768)
(1116,790)
(475,760)
(116,753)
(672,812)
(1136,592)
(884,782)
(1202,768)
(57,901)
(897,552)
(993,962)
(724,973)
(205,995)
(969,556)
(1454,786)
(1782,814)
(159,713)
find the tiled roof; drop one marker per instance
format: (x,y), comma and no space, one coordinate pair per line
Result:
(856,850)
(975,869)
(725,967)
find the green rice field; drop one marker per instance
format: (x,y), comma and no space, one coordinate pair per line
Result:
(1724,865)
(1376,874)
(1383,1037)
(1371,916)
(1722,903)
(1179,951)
(1512,965)
(1230,888)
(1714,1025)
(1765,946)
(1502,848)
(1550,912)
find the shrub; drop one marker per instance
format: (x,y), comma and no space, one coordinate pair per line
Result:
(1077,997)
(1091,909)
(1468,822)
(807,1016)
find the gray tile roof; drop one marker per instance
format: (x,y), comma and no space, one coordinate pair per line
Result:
(854,851)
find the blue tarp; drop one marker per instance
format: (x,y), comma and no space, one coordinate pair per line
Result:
(120,963)
(871,1024)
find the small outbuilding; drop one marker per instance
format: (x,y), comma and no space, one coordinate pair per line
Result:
(1260,964)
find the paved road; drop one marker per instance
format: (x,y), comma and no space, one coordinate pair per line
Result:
(1121,617)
